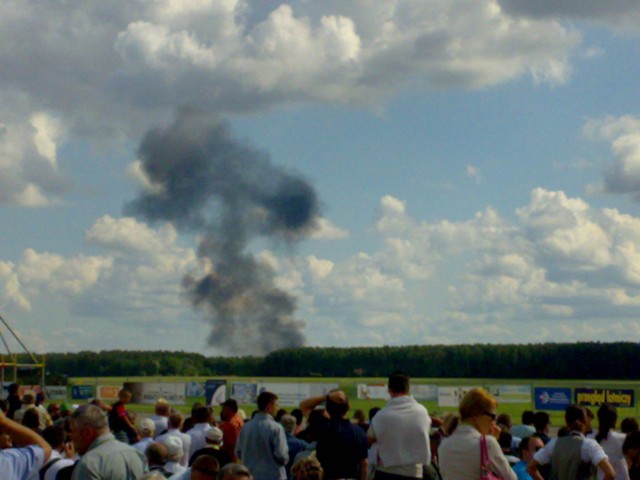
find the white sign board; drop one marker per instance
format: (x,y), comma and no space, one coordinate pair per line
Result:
(150,392)
(291,394)
(244,393)
(451,396)
(54,392)
(511,393)
(425,392)
(371,391)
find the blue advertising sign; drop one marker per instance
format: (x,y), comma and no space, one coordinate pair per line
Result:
(82,392)
(551,398)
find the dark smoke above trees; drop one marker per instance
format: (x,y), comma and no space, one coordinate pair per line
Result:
(208,183)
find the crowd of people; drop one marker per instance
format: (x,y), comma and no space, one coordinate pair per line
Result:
(316,441)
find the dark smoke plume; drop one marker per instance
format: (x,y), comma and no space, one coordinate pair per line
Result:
(228,193)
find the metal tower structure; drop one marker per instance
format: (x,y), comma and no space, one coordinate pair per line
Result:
(10,359)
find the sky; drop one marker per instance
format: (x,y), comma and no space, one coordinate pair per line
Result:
(469,172)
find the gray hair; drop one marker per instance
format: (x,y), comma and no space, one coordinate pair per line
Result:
(232,471)
(289,423)
(90,416)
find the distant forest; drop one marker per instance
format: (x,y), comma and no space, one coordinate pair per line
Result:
(535,361)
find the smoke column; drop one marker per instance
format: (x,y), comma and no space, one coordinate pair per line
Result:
(209,183)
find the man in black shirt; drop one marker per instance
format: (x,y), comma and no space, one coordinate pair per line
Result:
(342,446)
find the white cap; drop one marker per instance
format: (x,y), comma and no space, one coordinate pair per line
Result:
(214,435)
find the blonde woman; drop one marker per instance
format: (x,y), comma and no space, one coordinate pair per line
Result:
(460,453)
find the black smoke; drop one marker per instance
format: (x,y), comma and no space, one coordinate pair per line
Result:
(209,183)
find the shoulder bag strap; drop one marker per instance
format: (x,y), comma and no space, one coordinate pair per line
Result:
(484,453)
(47,466)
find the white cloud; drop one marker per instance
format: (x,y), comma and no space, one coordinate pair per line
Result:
(51,273)
(623,174)
(47,135)
(474,172)
(561,267)
(565,230)
(392,216)
(593,52)
(328,231)
(561,262)
(112,70)
(136,172)
(319,268)
(138,279)
(128,236)
(11,294)
(29,174)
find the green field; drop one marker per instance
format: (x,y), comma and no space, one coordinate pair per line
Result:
(349,385)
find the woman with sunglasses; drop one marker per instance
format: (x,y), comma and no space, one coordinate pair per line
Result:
(460,454)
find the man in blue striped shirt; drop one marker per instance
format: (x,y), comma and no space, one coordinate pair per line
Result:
(262,445)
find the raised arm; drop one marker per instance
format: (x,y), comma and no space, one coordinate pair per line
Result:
(308,404)
(22,435)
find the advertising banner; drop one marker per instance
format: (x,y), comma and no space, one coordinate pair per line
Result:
(425,392)
(82,392)
(551,398)
(215,392)
(25,388)
(450,396)
(108,392)
(594,397)
(149,392)
(4,391)
(378,391)
(55,392)
(371,391)
(511,393)
(244,393)
(291,394)
(195,389)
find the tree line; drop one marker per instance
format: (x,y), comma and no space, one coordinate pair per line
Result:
(589,360)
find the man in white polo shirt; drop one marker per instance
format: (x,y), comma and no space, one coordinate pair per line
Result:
(401,433)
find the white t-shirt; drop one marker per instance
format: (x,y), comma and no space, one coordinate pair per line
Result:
(53,470)
(401,431)
(198,438)
(612,446)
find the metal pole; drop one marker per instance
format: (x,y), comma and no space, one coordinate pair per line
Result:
(6,345)
(18,339)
